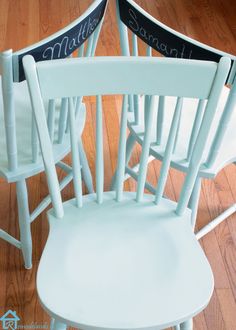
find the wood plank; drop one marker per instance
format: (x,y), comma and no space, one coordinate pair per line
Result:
(213,314)
(227,304)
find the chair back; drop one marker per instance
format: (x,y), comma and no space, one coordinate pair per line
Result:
(140,75)
(81,35)
(139,29)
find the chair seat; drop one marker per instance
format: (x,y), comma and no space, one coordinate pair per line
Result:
(23,134)
(226,154)
(123,265)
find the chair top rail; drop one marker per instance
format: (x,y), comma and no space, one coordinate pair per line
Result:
(65,76)
(167,41)
(64,42)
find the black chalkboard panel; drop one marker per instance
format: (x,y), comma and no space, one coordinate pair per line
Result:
(165,42)
(65,44)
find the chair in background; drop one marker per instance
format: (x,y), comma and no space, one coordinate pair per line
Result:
(123,260)
(20,157)
(139,30)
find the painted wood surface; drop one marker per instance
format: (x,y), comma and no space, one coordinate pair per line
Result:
(211,22)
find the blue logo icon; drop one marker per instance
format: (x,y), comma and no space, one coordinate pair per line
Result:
(9,320)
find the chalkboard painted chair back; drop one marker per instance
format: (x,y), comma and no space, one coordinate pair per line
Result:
(139,30)
(117,257)
(20,156)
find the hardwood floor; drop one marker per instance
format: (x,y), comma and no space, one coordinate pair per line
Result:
(23,22)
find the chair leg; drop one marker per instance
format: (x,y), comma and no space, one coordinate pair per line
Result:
(56,325)
(86,173)
(129,149)
(194,201)
(24,222)
(187,325)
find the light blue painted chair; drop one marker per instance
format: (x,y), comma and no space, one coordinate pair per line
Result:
(20,156)
(144,31)
(123,260)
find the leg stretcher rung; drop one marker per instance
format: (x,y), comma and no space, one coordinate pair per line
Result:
(47,200)
(10,239)
(215,222)
(133,174)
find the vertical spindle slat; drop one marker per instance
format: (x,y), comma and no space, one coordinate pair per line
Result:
(135,97)
(131,103)
(62,119)
(78,105)
(145,151)
(75,101)
(136,109)
(67,119)
(160,119)
(168,152)
(146,109)
(124,40)
(134,45)
(89,48)
(81,51)
(77,181)
(178,124)
(95,37)
(51,118)
(196,126)
(122,150)
(99,151)
(149,51)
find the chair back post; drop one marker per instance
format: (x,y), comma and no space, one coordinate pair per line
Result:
(9,109)
(223,124)
(34,141)
(195,161)
(43,134)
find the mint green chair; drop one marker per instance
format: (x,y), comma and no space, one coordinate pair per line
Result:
(116,259)
(20,156)
(144,31)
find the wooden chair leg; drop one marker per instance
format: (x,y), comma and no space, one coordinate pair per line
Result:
(129,149)
(194,201)
(86,173)
(56,325)
(187,325)
(24,222)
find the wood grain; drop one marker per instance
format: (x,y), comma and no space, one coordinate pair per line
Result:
(23,22)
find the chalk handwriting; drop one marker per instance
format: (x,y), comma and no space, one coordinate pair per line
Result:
(64,47)
(154,41)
